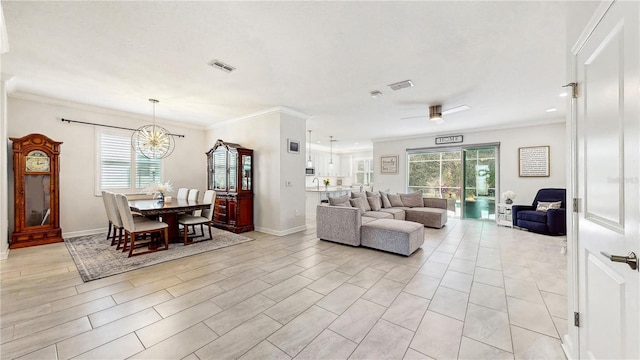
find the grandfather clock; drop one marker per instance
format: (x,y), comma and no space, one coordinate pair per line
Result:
(36,182)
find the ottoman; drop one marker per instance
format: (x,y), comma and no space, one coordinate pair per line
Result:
(396,236)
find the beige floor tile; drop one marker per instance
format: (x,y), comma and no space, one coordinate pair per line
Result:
(238,341)
(552,284)
(120,348)
(167,327)
(384,341)
(463,266)
(341,298)
(433,269)
(384,292)
(25,314)
(320,270)
(90,295)
(328,345)
(556,304)
(562,326)
(522,290)
(488,326)
(48,352)
(202,271)
(239,294)
(469,254)
(441,257)
(180,344)
(226,320)
(241,279)
(457,281)
(114,313)
(532,345)
(279,263)
(367,277)
(406,311)
(488,276)
(194,284)
(287,287)
(6,334)
(531,316)
(188,300)
(99,336)
(265,350)
(145,289)
(287,309)
(473,350)
(355,323)
(422,285)
(282,274)
(450,302)
(299,332)
(312,260)
(401,274)
(415,355)
(517,272)
(356,265)
(43,322)
(44,338)
(329,282)
(438,336)
(488,296)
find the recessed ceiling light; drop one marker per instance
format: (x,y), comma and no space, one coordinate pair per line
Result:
(564,94)
(552,110)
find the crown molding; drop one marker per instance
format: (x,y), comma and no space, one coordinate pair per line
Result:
(275,109)
(100,110)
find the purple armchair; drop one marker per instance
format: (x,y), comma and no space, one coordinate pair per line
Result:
(552,222)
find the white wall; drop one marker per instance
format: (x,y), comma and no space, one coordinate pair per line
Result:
(267,133)
(5,153)
(81,211)
(510,140)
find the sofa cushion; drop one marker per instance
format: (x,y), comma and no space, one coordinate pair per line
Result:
(374,202)
(385,200)
(412,200)
(398,213)
(546,205)
(340,201)
(395,200)
(363,196)
(431,217)
(378,215)
(357,203)
(367,219)
(533,216)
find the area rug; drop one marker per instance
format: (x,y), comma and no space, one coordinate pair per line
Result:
(95,258)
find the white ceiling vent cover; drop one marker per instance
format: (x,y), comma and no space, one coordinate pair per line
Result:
(221,66)
(400,85)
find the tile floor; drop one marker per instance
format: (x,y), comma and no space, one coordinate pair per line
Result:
(473,291)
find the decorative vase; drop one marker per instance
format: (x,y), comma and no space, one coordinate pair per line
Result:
(508,201)
(160,197)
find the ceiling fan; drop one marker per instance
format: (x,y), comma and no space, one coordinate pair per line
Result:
(436,113)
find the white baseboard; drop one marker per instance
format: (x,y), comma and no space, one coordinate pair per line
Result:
(4,255)
(281,232)
(84,232)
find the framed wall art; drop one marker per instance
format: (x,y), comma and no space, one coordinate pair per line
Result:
(389,164)
(533,161)
(293,146)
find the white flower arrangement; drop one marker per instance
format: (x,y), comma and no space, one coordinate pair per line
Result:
(508,195)
(154,188)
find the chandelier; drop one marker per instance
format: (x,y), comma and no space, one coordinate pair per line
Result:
(152,141)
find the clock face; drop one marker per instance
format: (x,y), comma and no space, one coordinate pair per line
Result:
(37,161)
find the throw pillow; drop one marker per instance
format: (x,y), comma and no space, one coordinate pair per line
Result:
(357,203)
(395,200)
(363,196)
(385,200)
(374,202)
(546,205)
(340,201)
(412,200)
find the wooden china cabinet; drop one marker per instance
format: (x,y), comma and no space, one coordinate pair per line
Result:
(37,199)
(230,174)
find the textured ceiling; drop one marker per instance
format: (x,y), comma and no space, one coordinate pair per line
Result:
(504,59)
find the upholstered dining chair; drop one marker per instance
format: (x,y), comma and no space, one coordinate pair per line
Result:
(115,220)
(204,218)
(108,209)
(182,194)
(133,229)
(193,196)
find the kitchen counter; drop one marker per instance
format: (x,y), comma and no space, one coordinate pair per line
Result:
(323,189)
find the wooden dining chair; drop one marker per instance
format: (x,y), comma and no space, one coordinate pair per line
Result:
(204,218)
(134,229)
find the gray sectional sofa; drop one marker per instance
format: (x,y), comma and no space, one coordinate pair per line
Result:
(392,223)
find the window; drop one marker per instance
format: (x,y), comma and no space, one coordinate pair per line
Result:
(437,174)
(120,169)
(364,171)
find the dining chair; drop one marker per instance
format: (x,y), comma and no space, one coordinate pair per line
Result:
(132,229)
(107,203)
(204,218)
(182,194)
(113,214)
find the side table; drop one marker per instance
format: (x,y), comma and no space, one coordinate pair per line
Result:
(503,215)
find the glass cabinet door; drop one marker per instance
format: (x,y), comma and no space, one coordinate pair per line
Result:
(246,172)
(37,197)
(233,171)
(220,170)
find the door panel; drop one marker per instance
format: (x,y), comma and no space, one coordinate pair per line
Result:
(608,153)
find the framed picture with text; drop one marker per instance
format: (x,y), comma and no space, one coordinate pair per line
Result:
(533,161)
(389,164)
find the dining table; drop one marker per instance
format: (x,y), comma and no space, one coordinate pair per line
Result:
(168,210)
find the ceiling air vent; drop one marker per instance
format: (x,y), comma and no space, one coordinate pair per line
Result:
(221,66)
(401,85)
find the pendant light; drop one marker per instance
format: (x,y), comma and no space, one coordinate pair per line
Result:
(152,141)
(309,163)
(331,152)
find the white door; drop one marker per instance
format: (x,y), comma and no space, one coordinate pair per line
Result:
(608,159)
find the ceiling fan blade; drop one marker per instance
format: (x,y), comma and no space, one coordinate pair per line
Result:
(456,109)
(414,117)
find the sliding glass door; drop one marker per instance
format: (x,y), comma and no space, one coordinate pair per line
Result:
(465,176)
